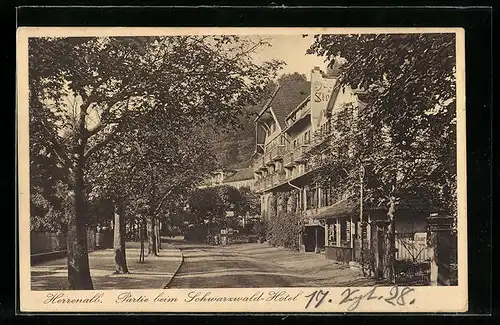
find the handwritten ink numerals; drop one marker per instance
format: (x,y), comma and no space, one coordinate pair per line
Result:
(317,297)
(397,297)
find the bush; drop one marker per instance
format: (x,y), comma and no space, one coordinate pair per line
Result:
(260,228)
(284,229)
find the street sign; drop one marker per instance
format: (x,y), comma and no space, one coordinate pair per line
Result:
(223,231)
(229,213)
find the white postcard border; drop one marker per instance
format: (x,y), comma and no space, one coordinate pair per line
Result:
(427,299)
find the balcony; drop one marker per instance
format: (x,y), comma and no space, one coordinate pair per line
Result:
(299,152)
(260,185)
(278,178)
(268,182)
(288,160)
(267,158)
(277,152)
(258,164)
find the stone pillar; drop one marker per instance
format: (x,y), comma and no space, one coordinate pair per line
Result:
(440,229)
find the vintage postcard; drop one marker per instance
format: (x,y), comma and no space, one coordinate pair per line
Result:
(212,170)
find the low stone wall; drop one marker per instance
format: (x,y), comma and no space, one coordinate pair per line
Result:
(42,242)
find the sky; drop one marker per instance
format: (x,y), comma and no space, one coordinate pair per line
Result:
(292,50)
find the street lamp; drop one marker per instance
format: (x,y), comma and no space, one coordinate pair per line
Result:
(361,198)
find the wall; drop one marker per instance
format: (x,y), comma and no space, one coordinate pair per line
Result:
(243,183)
(264,199)
(46,242)
(406,221)
(41,242)
(274,135)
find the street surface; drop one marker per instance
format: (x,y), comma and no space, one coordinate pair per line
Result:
(259,265)
(154,273)
(205,266)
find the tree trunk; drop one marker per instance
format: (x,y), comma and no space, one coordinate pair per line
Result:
(209,230)
(119,238)
(78,259)
(152,248)
(158,237)
(391,241)
(142,230)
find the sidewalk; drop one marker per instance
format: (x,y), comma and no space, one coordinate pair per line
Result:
(154,273)
(315,269)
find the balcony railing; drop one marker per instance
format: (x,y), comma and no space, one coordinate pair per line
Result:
(260,185)
(267,158)
(269,181)
(299,152)
(278,178)
(288,160)
(277,152)
(258,164)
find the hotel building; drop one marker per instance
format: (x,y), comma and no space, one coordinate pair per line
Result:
(295,119)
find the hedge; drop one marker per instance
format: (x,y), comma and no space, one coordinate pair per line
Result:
(284,228)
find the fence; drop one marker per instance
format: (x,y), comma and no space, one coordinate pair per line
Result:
(412,265)
(412,247)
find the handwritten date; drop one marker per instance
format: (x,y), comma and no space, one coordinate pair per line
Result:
(354,297)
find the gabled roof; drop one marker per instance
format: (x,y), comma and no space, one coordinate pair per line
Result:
(288,97)
(240,175)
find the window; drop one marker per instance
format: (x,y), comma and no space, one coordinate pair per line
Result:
(312,198)
(332,235)
(345,233)
(307,137)
(324,197)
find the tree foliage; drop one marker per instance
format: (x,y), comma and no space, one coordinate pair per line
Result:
(404,134)
(88,94)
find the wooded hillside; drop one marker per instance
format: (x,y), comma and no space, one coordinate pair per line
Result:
(234,147)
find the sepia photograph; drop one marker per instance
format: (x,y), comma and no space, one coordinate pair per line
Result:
(237,159)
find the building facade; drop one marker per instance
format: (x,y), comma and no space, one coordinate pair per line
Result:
(294,121)
(236,178)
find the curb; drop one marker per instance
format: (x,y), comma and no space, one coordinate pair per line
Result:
(46,256)
(176,271)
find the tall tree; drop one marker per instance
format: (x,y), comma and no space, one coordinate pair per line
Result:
(405,136)
(186,80)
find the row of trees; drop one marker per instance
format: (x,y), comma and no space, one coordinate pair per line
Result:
(208,206)
(402,139)
(114,122)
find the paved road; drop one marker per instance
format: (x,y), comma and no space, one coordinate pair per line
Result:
(259,265)
(154,273)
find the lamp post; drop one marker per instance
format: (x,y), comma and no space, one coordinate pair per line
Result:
(362,223)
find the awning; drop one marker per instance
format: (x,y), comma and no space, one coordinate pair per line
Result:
(350,206)
(341,208)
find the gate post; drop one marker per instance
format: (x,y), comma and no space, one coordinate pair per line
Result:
(380,248)
(439,227)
